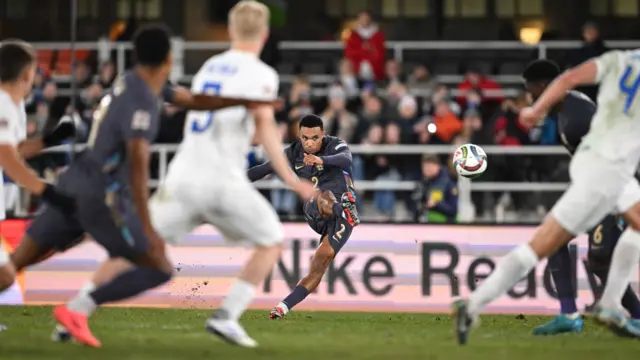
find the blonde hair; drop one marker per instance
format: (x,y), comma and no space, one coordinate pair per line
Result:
(248,20)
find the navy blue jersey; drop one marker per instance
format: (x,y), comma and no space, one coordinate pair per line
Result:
(574,119)
(333,175)
(129,110)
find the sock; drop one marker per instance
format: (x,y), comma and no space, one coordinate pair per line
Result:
(631,303)
(623,263)
(87,288)
(509,271)
(560,268)
(129,284)
(82,302)
(238,299)
(297,295)
(630,300)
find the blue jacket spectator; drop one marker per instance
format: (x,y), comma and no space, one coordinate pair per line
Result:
(436,196)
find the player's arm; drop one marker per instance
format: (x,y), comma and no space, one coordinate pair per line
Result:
(585,74)
(65,130)
(259,171)
(140,131)
(340,157)
(182,97)
(267,134)
(17,170)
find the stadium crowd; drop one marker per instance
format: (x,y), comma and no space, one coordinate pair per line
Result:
(373,100)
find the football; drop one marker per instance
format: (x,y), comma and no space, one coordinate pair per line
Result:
(470,161)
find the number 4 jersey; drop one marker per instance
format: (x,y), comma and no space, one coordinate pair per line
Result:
(615,128)
(217,143)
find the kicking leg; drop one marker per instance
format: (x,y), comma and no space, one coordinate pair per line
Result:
(337,221)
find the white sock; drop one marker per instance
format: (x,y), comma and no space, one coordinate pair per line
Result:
(238,299)
(284,307)
(509,271)
(87,288)
(82,303)
(623,263)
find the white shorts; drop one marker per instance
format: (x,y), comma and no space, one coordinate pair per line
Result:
(235,208)
(598,187)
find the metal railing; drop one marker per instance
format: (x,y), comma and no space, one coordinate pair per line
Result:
(164,150)
(104,47)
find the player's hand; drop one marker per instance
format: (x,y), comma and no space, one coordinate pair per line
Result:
(304,189)
(431,204)
(311,160)
(530,116)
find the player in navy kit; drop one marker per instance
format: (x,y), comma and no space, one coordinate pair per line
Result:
(326,161)
(109,184)
(573,117)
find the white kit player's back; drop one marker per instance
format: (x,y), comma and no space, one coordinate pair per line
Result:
(615,128)
(218,142)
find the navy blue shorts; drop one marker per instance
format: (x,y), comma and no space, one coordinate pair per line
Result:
(336,228)
(115,226)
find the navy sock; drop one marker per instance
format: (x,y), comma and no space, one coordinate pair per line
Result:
(560,267)
(129,284)
(297,295)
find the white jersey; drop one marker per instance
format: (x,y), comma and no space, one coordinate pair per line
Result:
(615,128)
(13,130)
(218,142)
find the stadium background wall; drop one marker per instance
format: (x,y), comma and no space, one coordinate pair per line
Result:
(391,268)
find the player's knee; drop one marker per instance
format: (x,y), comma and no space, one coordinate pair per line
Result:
(325,203)
(7,276)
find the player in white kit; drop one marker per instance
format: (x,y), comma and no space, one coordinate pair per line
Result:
(207,179)
(17,71)
(602,182)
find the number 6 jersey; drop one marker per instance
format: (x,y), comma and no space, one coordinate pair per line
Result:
(219,142)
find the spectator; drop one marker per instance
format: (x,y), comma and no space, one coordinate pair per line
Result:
(440,93)
(365,49)
(348,79)
(385,200)
(509,131)
(393,72)
(447,123)
(475,79)
(592,46)
(338,121)
(371,115)
(421,81)
(395,92)
(436,196)
(107,74)
(299,101)
(407,119)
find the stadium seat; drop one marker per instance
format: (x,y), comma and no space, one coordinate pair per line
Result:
(286,68)
(314,68)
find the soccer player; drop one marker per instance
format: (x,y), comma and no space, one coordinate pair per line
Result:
(207,183)
(573,117)
(17,71)
(108,181)
(326,161)
(602,182)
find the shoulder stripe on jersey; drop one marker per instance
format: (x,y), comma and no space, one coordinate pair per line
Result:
(341,145)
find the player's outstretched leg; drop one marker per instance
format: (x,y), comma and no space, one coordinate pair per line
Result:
(224,323)
(339,220)
(549,237)
(569,320)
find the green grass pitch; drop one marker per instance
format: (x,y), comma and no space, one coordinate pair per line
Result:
(152,334)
